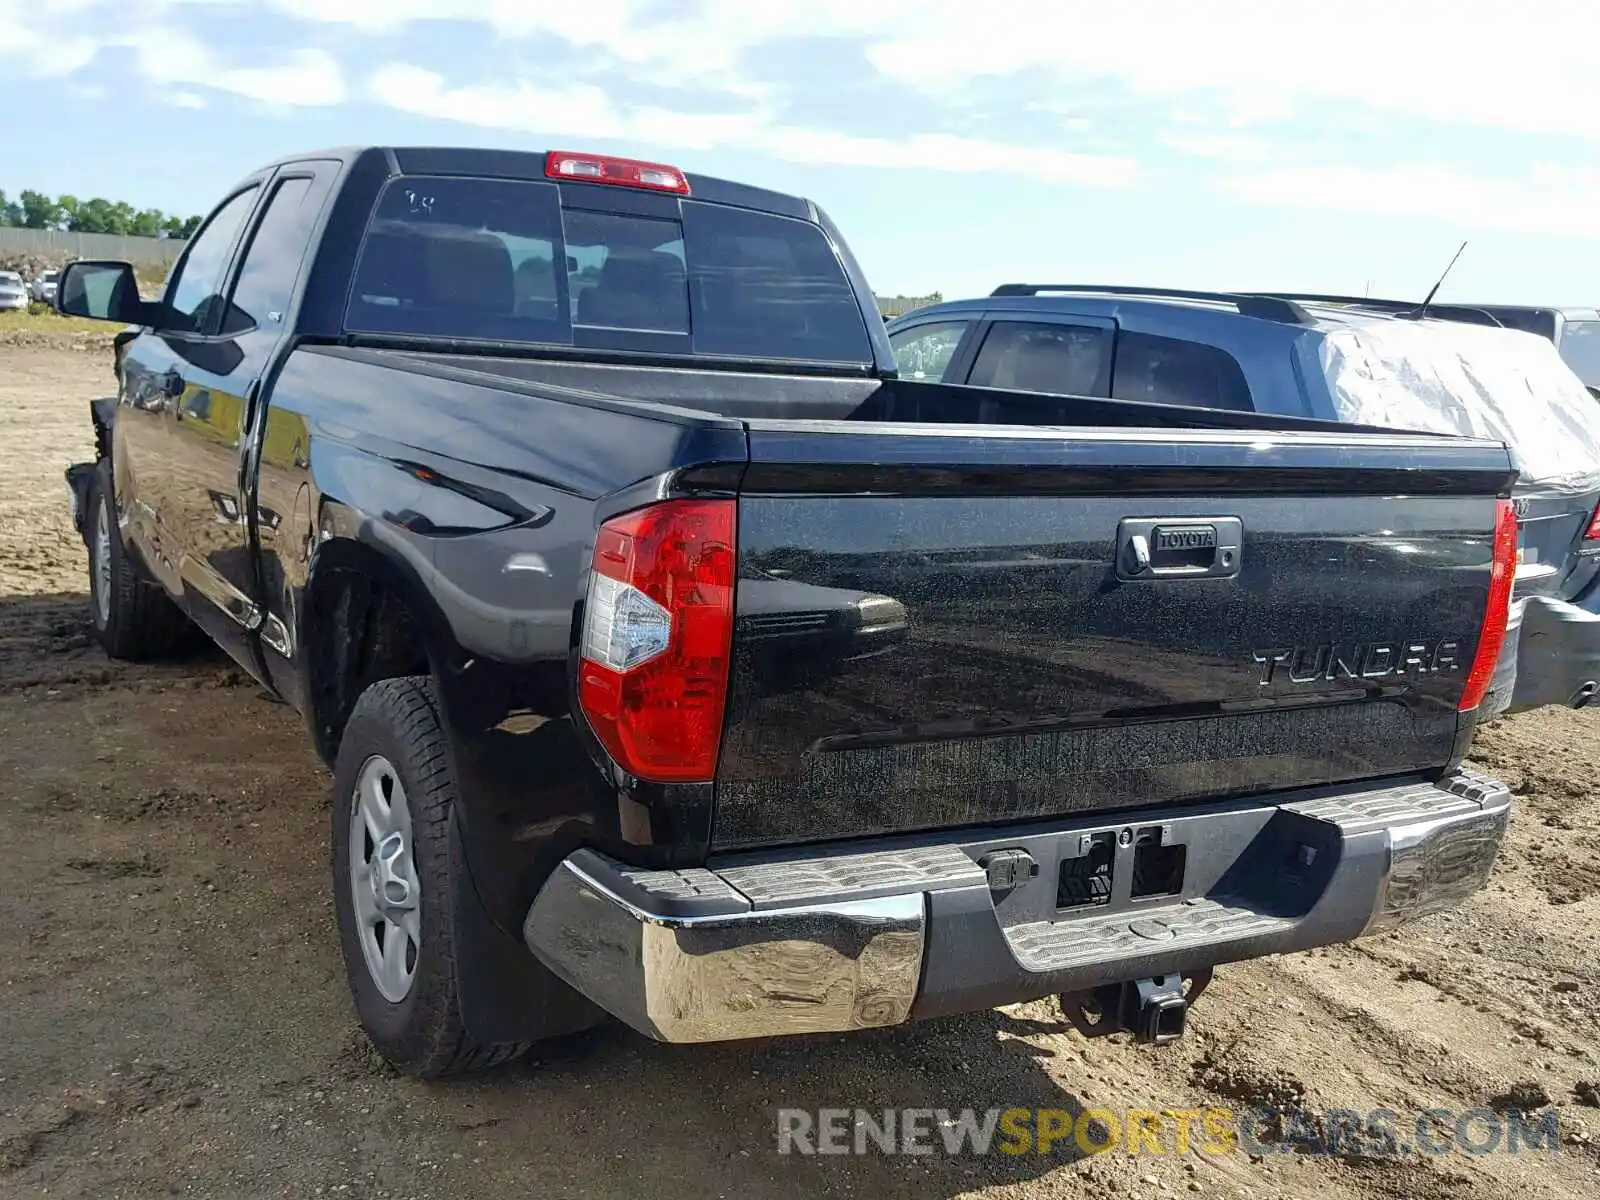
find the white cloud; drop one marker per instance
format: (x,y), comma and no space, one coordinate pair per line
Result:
(576,109)
(579,110)
(44,56)
(1213,76)
(1227,147)
(1527,66)
(951,153)
(307,77)
(1553,200)
(702,38)
(182,99)
(60,37)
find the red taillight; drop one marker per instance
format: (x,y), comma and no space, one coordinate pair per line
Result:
(1498,609)
(1592,534)
(658,636)
(623,172)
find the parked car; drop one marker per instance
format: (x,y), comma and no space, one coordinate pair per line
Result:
(13,292)
(1336,361)
(674,660)
(1575,332)
(44,287)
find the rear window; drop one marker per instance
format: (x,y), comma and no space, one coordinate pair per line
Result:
(501,260)
(1580,347)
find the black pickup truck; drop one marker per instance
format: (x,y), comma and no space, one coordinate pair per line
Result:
(676,660)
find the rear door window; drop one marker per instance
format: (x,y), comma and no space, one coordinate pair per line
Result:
(503,260)
(925,351)
(1162,370)
(266,278)
(1061,358)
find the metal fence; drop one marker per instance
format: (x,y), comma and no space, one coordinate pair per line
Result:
(90,245)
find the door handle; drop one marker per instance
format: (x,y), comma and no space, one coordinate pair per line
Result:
(1151,548)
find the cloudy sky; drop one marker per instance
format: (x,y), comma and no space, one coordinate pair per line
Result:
(959,144)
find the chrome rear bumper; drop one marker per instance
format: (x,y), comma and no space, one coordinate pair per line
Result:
(835,940)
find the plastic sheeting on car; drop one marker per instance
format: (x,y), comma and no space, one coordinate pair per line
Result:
(1435,377)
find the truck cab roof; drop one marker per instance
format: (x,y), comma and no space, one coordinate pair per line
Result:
(531,165)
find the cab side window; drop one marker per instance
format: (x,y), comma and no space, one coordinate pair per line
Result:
(194,292)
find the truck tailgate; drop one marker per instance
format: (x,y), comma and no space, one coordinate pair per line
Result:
(945,626)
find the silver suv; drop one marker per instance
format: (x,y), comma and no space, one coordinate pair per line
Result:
(13,293)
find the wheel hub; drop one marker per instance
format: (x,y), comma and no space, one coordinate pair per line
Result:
(102,561)
(383,879)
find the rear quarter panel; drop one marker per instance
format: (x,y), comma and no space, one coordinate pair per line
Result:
(480,502)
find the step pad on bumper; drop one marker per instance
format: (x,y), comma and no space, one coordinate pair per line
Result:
(853,876)
(1060,945)
(1465,792)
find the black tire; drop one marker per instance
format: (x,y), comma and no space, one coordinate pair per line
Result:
(133,618)
(421,1034)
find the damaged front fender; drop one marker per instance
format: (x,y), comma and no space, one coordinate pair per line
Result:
(80,477)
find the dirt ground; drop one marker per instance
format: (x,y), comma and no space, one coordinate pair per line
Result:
(174,1019)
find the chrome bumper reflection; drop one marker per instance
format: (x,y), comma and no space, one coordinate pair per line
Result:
(802,969)
(1438,863)
(839,940)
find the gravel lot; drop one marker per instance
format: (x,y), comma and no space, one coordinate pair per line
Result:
(174,1020)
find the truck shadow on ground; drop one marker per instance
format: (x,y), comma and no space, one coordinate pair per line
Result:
(48,641)
(637,1104)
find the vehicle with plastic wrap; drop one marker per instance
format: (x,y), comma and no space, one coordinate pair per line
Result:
(676,660)
(1375,363)
(1573,330)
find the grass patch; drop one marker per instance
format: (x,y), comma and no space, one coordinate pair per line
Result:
(41,326)
(44,320)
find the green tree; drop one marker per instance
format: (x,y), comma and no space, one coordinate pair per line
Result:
(123,216)
(91,216)
(35,210)
(40,211)
(147,223)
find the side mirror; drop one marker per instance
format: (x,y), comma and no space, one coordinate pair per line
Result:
(101,291)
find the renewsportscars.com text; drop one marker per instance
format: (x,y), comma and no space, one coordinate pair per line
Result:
(1139,1131)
